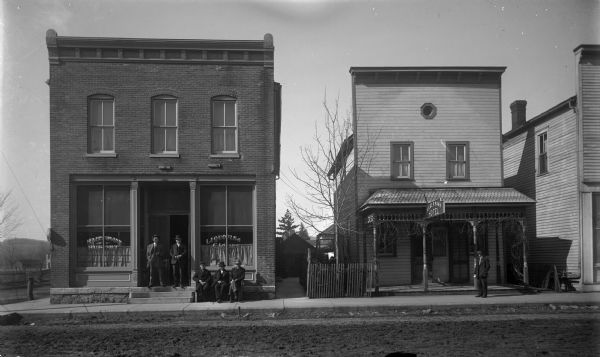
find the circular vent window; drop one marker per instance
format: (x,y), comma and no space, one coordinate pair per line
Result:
(428,111)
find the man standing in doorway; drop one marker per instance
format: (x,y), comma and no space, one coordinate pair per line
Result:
(154,256)
(178,260)
(481,272)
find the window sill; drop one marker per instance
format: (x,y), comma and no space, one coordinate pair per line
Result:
(101,154)
(543,174)
(401,178)
(458,179)
(102,269)
(175,155)
(225,156)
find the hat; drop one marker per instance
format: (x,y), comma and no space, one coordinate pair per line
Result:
(155,236)
(202,263)
(237,262)
(177,237)
(221,264)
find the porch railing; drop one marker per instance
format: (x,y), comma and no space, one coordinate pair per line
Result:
(340,280)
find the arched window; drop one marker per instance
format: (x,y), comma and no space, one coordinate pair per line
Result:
(224,125)
(164,125)
(101,124)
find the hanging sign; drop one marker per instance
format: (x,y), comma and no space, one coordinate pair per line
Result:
(435,208)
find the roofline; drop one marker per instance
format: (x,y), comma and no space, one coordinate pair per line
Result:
(426,69)
(540,118)
(364,208)
(52,39)
(587,47)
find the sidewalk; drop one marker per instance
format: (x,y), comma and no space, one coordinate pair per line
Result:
(42,307)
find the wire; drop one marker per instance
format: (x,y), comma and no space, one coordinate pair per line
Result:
(23,193)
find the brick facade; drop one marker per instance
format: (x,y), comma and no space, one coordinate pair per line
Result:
(194,72)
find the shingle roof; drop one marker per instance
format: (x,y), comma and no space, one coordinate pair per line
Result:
(458,196)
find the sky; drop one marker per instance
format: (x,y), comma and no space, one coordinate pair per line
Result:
(316,43)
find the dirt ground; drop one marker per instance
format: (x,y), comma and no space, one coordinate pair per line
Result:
(544,334)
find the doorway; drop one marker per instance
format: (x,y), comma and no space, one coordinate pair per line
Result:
(165,212)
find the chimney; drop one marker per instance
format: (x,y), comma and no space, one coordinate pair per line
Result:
(517,109)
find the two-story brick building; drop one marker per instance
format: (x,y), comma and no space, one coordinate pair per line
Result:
(424,136)
(160,136)
(555,159)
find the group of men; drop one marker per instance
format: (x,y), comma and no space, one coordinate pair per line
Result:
(225,283)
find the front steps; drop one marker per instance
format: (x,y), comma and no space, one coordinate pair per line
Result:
(161,295)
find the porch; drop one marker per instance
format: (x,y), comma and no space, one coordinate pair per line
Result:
(450,289)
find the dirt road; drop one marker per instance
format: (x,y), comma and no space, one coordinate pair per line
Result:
(549,334)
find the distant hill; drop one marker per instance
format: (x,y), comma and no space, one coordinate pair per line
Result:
(22,249)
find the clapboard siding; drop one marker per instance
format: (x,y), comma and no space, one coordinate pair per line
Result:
(590,104)
(471,113)
(553,225)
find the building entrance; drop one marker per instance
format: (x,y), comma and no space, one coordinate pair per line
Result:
(165,212)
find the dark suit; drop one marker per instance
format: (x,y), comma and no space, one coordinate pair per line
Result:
(154,256)
(238,274)
(178,262)
(221,284)
(203,279)
(482,266)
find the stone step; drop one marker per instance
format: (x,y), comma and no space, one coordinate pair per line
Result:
(161,294)
(160,300)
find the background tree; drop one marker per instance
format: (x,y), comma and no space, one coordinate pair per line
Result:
(9,219)
(330,167)
(303,232)
(286,225)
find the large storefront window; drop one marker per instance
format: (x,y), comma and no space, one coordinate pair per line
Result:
(227,225)
(103,226)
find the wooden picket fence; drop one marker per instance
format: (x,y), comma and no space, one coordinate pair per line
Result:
(340,280)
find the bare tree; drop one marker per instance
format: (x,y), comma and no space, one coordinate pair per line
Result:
(9,218)
(328,182)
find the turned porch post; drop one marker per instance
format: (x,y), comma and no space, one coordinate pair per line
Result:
(375,260)
(525,265)
(474,227)
(425,269)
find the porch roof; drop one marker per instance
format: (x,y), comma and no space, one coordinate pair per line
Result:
(389,197)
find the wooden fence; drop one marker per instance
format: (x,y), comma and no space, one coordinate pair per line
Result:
(340,280)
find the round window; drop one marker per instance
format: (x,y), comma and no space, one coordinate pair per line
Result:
(428,111)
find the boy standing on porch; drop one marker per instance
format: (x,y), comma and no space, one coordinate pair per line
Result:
(481,272)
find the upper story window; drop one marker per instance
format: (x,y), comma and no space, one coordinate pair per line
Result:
(457,160)
(543,153)
(224,125)
(101,130)
(164,125)
(402,161)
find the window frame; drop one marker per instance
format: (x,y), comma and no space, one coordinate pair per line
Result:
(449,162)
(164,127)
(102,98)
(226,224)
(213,149)
(103,227)
(394,162)
(542,156)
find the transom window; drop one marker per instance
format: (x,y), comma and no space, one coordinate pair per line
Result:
(103,226)
(101,135)
(457,156)
(224,125)
(542,153)
(164,125)
(402,158)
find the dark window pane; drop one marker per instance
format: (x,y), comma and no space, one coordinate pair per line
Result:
(218,140)
(395,169)
(239,205)
(116,209)
(107,142)
(95,139)
(218,113)
(229,113)
(230,144)
(159,113)
(212,205)
(158,142)
(95,112)
(171,112)
(89,206)
(107,112)
(171,139)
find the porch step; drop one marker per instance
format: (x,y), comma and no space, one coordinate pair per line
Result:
(161,295)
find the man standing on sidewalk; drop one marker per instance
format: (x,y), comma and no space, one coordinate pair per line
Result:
(481,272)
